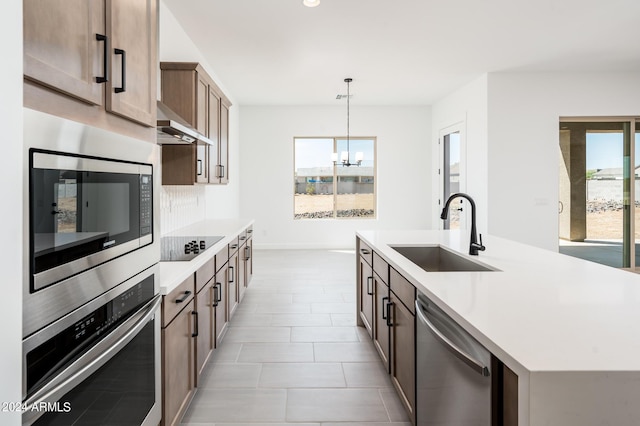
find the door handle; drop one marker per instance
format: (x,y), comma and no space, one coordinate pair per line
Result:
(184,297)
(195,314)
(219,292)
(214,301)
(199,167)
(369,291)
(105,59)
(476,365)
(384,308)
(388,318)
(232,274)
(123,71)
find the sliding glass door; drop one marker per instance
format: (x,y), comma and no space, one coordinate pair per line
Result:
(597,207)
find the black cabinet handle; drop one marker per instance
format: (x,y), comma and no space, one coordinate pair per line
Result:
(199,167)
(219,299)
(247,253)
(195,314)
(233,275)
(220,167)
(369,291)
(184,297)
(123,83)
(249,231)
(233,246)
(214,297)
(388,318)
(383,307)
(242,238)
(105,60)
(365,251)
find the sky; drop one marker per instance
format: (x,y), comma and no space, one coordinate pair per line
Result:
(604,150)
(317,152)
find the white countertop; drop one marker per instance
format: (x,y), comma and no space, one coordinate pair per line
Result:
(542,312)
(174,273)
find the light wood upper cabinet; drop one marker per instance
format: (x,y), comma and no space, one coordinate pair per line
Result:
(101,55)
(189,91)
(131,90)
(61,50)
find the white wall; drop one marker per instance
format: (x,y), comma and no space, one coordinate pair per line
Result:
(183,205)
(12,215)
(524,111)
(468,105)
(266,149)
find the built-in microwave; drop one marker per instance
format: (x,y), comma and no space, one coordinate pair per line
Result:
(85,211)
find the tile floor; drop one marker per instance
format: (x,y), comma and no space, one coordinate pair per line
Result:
(293,354)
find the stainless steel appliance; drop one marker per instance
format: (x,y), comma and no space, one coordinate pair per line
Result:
(91,214)
(100,364)
(181,248)
(85,211)
(453,383)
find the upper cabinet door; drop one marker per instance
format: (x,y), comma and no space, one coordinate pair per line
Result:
(61,46)
(223,155)
(132,28)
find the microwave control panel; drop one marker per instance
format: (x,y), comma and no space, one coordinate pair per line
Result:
(146,205)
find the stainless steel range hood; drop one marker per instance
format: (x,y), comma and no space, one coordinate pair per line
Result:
(173,130)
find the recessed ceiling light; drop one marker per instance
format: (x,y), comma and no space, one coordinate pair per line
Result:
(311,3)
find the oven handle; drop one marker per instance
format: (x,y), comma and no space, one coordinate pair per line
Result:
(93,359)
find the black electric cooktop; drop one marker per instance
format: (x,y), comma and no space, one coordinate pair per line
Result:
(184,248)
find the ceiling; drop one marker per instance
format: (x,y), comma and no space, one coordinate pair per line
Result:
(402,52)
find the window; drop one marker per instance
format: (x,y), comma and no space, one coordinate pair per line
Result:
(598,209)
(323,189)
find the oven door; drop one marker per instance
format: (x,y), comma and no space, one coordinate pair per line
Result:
(113,381)
(85,211)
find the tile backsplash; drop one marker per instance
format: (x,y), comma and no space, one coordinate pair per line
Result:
(181,206)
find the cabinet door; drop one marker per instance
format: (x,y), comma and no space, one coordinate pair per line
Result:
(248,255)
(242,272)
(366,295)
(205,329)
(223,155)
(221,305)
(403,358)
(202,106)
(131,90)
(202,162)
(60,46)
(232,284)
(380,328)
(178,365)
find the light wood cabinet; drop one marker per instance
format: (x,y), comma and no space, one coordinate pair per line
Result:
(100,52)
(205,315)
(366,295)
(190,92)
(232,283)
(402,352)
(61,54)
(221,305)
(178,348)
(248,260)
(131,90)
(381,323)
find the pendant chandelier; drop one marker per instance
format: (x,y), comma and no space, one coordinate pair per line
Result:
(344,155)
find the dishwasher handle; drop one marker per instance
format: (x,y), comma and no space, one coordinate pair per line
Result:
(476,365)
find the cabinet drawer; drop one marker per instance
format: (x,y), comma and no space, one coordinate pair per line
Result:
(233,246)
(366,252)
(222,257)
(381,267)
(175,301)
(205,273)
(405,291)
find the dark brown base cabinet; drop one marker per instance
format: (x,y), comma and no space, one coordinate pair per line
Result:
(386,309)
(178,349)
(195,317)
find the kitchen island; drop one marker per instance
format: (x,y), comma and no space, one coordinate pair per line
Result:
(568,328)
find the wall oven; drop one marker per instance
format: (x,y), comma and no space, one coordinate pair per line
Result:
(91,215)
(100,364)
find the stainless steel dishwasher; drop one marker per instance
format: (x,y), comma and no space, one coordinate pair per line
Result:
(453,383)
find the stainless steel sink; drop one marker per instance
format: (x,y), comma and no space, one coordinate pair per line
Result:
(438,259)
